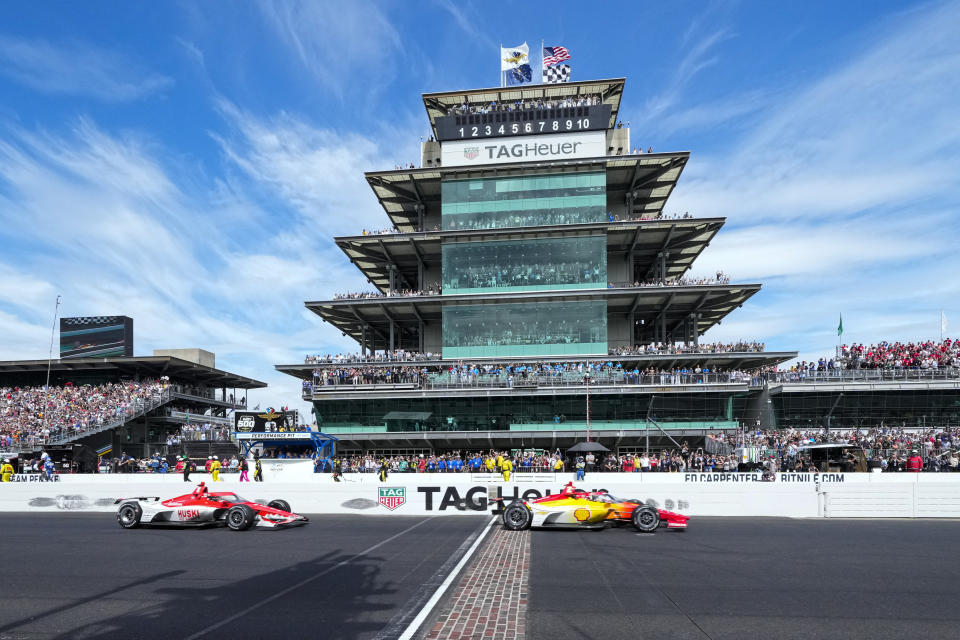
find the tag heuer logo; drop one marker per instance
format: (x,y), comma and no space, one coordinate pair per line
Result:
(471,152)
(393,497)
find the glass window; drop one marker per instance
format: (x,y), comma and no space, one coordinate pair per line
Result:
(524,201)
(525,265)
(525,329)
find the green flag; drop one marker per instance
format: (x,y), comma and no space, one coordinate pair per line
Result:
(840,326)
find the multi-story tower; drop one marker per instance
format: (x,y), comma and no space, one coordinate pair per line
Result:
(531,233)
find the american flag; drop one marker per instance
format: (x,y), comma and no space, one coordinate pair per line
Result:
(554,55)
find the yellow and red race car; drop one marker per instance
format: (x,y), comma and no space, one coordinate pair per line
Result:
(574,508)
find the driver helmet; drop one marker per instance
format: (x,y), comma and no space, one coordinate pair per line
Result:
(209,457)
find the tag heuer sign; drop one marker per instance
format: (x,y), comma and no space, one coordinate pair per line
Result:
(471,152)
(245,423)
(393,497)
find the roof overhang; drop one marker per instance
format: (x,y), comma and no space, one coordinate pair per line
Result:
(681,240)
(670,304)
(141,366)
(650,177)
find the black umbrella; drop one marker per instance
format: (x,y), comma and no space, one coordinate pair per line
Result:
(583,447)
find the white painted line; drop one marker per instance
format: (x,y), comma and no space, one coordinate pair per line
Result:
(432,602)
(292,588)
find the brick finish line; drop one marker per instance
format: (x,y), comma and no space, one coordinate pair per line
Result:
(490,600)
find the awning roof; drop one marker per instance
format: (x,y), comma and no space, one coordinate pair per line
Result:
(673,303)
(142,367)
(610,90)
(651,178)
(682,239)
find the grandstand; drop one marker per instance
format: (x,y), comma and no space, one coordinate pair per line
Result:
(133,405)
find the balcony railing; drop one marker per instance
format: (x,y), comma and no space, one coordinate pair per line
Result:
(571,379)
(565,379)
(864,375)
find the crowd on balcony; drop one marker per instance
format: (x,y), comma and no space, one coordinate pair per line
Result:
(396,355)
(719,279)
(36,415)
(467,108)
(882,358)
(432,290)
(611,217)
(671,348)
(928,354)
(513,374)
(654,348)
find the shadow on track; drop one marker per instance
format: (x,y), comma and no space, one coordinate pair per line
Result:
(330,596)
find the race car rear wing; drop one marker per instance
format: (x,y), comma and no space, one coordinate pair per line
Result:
(154,498)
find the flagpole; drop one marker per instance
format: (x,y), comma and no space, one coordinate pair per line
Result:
(501,65)
(543,65)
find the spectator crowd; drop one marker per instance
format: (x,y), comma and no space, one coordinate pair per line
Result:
(35,415)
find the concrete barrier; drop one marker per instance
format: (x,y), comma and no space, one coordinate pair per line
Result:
(719,494)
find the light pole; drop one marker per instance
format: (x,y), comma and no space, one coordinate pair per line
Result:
(46,388)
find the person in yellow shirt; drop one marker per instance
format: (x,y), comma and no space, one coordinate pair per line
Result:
(499,462)
(490,464)
(6,471)
(215,470)
(558,465)
(506,465)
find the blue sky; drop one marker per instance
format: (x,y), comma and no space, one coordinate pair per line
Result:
(186,164)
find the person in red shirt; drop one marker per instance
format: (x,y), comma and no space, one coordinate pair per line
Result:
(914,462)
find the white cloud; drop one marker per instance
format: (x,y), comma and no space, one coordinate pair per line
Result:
(318,172)
(76,68)
(338,43)
(697,58)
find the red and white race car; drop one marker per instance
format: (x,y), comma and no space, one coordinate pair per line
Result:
(205,508)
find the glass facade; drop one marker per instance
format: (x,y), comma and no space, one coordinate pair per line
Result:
(525,265)
(572,327)
(865,409)
(524,201)
(526,412)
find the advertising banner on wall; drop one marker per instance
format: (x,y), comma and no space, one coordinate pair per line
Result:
(560,146)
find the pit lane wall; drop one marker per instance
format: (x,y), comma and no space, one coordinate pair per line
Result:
(800,495)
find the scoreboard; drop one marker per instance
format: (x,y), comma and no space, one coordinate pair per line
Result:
(528,122)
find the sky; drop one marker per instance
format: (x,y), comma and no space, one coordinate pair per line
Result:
(187,164)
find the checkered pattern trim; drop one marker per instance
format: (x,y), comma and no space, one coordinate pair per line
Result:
(86,320)
(556,75)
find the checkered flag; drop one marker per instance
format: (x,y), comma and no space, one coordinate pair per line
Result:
(556,75)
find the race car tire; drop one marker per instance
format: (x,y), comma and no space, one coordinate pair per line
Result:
(283,505)
(516,516)
(240,517)
(128,515)
(645,519)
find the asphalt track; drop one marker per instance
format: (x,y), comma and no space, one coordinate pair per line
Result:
(81,576)
(749,578)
